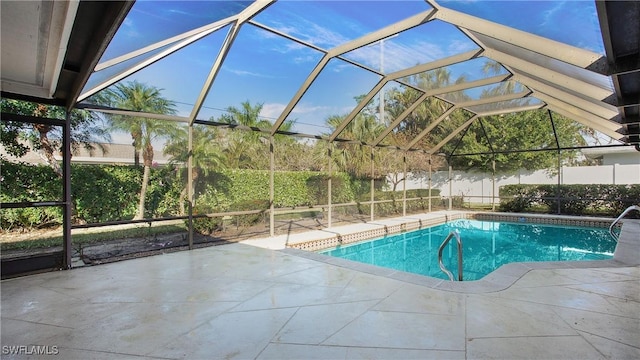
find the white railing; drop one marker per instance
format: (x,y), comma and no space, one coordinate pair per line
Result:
(455,234)
(624,213)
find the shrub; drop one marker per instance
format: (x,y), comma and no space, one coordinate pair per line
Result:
(522,197)
(164,192)
(21,182)
(248,205)
(205,225)
(105,192)
(606,200)
(341,191)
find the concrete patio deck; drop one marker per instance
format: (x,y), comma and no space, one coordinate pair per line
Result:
(239,301)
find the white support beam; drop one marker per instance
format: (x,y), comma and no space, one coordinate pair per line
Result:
(438,91)
(585,75)
(553,77)
(213,27)
(383,33)
(580,115)
(215,68)
(244,16)
(436,64)
(468,85)
(510,110)
(400,118)
(254,9)
(143,64)
(358,108)
(612,134)
(452,135)
(553,49)
(598,108)
(493,99)
(430,127)
(69,20)
(301,91)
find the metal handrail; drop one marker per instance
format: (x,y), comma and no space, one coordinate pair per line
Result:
(624,213)
(455,234)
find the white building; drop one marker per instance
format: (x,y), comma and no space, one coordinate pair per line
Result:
(627,155)
(121,154)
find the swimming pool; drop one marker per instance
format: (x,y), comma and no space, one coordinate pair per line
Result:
(487,245)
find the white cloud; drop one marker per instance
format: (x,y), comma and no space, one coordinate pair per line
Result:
(272,111)
(303,108)
(308,31)
(304,59)
(397,55)
(302,111)
(181,12)
(548,16)
(246,73)
(130,29)
(460,46)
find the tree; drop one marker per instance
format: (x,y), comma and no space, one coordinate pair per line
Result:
(47,139)
(207,154)
(144,131)
(354,157)
(491,67)
(528,130)
(243,148)
(247,149)
(429,110)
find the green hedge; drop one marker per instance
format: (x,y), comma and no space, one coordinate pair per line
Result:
(103,193)
(21,182)
(228,190)
(100,193)
(605,200)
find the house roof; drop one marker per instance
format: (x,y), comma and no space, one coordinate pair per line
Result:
(598,152)
(113,154)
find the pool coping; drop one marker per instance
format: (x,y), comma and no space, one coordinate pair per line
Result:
(627,252)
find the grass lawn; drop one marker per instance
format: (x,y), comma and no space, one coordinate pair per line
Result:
(52,238)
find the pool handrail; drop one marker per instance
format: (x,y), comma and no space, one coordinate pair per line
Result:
(456,234)
(624,213)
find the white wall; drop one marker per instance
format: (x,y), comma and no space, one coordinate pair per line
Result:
(473,186)
(632,158)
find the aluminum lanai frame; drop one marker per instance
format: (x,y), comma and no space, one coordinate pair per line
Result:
(563,77)
(497,42)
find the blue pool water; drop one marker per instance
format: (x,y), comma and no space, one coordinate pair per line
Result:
(487,245)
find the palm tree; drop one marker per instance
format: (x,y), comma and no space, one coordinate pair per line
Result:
(247,115)
(491,67)
(244,149)
(356,158)
(207,154)
(144,131)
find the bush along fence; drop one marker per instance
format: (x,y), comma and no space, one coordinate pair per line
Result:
(104,193)
(599,200)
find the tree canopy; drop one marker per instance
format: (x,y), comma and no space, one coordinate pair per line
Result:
(17,137)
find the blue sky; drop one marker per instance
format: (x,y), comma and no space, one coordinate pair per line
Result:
(267,69)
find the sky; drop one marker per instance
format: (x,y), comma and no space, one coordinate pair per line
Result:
(267,69)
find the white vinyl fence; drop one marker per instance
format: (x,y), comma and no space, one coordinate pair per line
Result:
(478,187)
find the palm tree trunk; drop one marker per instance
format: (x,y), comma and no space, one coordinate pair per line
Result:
(143,192)
(183,196)
(47,149)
